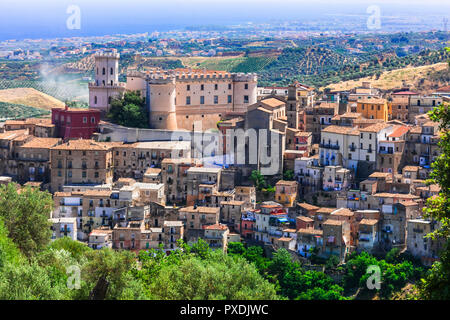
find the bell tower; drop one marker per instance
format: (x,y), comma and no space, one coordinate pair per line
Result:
(292,106)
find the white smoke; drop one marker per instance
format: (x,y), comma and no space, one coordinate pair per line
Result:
(61,85)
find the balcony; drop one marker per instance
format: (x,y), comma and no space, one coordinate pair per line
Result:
(329,146)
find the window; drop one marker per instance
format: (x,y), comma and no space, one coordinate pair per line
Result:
(202,87)
(96,174)
(229,98)
(202,99)
(246,86)
(216,86)
(83,174)
(92,119)
(362,135)
(104,71)
(95,100)
(188,100)
(84,119)
(245,99)
(216,99)
(229,86)
(112,71)
(188,87)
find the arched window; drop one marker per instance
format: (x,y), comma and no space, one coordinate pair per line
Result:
(112,71)
(95,100)
(104,71)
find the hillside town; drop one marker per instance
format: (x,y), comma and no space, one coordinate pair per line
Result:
(317,174)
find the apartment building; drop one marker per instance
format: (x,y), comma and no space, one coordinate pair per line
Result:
(308,174)
(201,182)
(100,238)
(81,162)
(133,160)
(286,193)
(216,236)
(373,108)
(399,105)
(63,227)
(419,245)
(197,217)
(314,119)
(172,232)
(368,235)
(9,142)
(33,161)
(336,239)
(420,104)
(231,213)
(309,240)
(174,178)
(336,178)
(391,151)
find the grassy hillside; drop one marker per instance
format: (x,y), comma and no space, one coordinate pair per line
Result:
(423,78)
(30,97)
(15,111)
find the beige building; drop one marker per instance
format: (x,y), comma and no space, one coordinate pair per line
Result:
(198,217)
(133,160)
(216,236)
(33,161)
(81,162)
(64,227)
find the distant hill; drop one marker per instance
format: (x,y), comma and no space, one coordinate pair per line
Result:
(319,67)
(29,97)
(423,78)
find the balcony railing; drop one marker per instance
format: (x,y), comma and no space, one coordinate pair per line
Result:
(329,146)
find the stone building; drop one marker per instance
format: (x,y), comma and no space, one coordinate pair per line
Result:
(81,162)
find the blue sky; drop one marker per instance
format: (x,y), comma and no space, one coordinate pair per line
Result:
(31,18)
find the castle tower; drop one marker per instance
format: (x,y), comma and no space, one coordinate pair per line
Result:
(245,91)
(161,91)
(106,85)
(292,104)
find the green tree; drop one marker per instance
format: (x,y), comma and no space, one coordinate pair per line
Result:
(25,215)
(258,180)
(115,267)
(288,175)
(129,111)
(437,283)
(218,277)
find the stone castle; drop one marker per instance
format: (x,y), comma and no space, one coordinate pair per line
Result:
(175,98)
